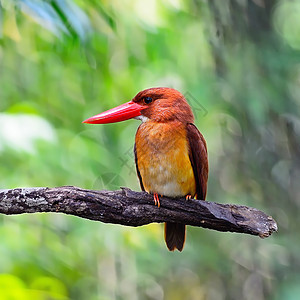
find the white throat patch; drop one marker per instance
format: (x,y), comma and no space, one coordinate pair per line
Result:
(142,118)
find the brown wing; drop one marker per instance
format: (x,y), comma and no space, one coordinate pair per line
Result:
(137,169)
(198,158)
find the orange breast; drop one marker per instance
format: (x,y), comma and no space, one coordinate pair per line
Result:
(163,159)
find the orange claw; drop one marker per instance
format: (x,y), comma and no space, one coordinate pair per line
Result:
(188,197)
(156,200)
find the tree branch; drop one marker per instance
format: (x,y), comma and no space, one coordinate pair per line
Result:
(131,208)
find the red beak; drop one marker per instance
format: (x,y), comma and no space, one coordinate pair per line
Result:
(120,113)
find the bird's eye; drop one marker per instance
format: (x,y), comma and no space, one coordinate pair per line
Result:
(148,100)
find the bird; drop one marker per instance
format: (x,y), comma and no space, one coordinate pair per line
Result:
(170,152)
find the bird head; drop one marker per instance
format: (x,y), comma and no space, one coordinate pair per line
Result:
(158,104)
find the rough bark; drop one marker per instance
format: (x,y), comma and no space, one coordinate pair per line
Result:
(131,208)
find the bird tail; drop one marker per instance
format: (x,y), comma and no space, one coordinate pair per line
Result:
(174,236)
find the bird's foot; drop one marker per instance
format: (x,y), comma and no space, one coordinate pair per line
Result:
(156,200)
(188,197)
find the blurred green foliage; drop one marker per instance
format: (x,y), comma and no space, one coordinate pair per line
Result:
(62,61)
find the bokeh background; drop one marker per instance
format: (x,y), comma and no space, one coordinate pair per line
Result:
(237,62)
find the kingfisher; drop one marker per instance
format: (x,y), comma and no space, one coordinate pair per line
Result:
(170,152)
